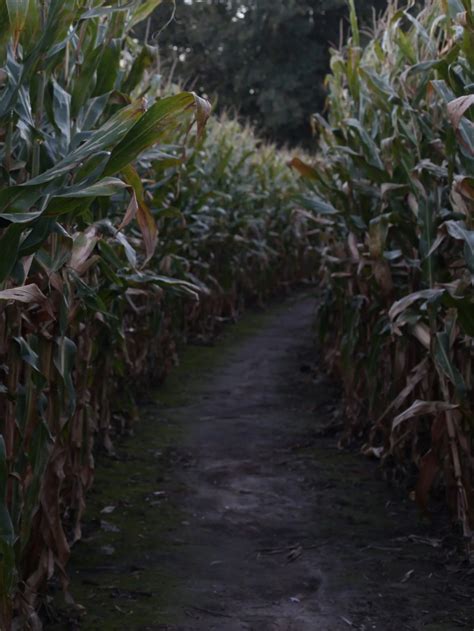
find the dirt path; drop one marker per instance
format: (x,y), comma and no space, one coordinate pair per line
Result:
(227,512)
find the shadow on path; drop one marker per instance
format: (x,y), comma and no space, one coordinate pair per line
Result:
(228,511)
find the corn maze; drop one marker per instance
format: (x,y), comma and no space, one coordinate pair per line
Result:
(132,217)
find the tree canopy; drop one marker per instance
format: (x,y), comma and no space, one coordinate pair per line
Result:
(266,59)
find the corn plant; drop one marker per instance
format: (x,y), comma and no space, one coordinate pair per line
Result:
(122,232)
(75,112)
(229,224)
(390,193)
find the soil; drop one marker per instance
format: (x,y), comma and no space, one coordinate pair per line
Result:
(232,508)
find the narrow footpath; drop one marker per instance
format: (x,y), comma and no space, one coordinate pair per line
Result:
(232,509)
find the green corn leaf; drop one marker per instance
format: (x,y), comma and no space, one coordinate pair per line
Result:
(53,39)
(17,14)
(32,26)
(108,68)
(143,10)
(152,125)
(27,354)
(443,359)
(354,23)
(62,112)
(64,361)
(130,252)
(85,81)
(77,199)
(106,187)
(368,145)
(181,286)
(107,136)
(144,61)
(40,231)
(91,112)
(316,204)
(107,10)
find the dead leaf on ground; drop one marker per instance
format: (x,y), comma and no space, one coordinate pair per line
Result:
(108,509)
(407,576)
(294,554)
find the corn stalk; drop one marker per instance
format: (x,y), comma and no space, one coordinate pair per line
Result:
(391,189)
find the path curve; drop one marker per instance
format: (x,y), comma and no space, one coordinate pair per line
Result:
(249,518)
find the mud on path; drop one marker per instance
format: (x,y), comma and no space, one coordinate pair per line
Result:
(231,510)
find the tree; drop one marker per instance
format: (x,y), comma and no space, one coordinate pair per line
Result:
(266,59)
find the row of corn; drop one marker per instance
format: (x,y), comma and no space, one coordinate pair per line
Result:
(391,194)
(125,224)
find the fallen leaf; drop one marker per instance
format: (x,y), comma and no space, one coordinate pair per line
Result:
(109,550)
(407,576)
(294,554)
(108,509)
(108,527)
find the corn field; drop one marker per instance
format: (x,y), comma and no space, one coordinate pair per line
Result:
(127,226)
(132,220)
(391,195)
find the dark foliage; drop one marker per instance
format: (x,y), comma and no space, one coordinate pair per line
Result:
(266,59)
